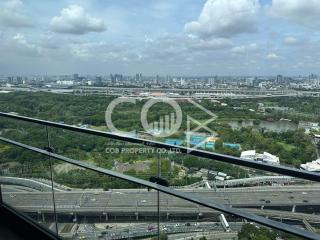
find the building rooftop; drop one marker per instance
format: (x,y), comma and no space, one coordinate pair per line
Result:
(313,166)
(263,157)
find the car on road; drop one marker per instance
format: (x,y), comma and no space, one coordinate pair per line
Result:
(151,228)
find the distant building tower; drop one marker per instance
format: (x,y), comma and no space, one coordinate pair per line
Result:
(19,80)
(139,77)
(98,80)
(182,81)
(256,82)
(113,78)
(279,80)
(75,76)
(312,76)
(119,77)
(211,81)
(10,79)
(168,78)
(157,80)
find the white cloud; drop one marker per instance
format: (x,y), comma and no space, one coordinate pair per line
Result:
(212,44)
(244,48)
(74,20)
(147,39)
(14,4)
(225,18)
(20,45)
(102,51)
(273,56)
(304,12)
(11,15)
(290,40)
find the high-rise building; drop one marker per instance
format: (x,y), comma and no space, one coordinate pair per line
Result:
(19,80)
(10,79)
(279,79)
(182,81)
(98,80)
(157,80)
(116,78)
(113,79)
(212,80)
(139,77)
(168,78)
(76,77)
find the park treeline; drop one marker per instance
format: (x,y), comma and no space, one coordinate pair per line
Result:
(293,147)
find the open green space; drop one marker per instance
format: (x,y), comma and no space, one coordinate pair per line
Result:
(293,147)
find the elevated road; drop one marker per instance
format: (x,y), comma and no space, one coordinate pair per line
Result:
(36,184)
(45,185)
(215,93)
(291,202)
(245,182)
(221,93)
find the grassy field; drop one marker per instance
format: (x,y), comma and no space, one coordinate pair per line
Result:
(287,147)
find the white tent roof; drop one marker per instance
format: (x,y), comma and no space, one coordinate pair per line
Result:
(248,153)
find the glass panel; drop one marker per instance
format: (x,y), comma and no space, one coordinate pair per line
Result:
(120,156)
(26,184)
(96,206)
(181,219)
(25,132)
(281,198)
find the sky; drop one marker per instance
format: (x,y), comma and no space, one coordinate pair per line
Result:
(175,37)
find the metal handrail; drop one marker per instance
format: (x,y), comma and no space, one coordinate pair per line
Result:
(203,202)
(194,152)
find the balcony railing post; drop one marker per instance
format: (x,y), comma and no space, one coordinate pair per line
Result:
(1,195)
(50,150)
(158,193)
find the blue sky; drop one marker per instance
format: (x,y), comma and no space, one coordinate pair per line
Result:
(178,37)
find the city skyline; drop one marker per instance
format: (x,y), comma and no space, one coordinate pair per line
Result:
(213,37)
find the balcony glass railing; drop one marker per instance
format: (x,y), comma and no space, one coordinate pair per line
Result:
(85,189)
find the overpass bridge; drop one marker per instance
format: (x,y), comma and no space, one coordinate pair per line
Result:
(188,92)
(215,93)
(292,202)
(252,181)
(36,184)
(45,185)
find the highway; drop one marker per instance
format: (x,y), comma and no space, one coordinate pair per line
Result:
(246,182)
(147,229)
(234,93)
(140,202)
(36,184)
(134,211)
